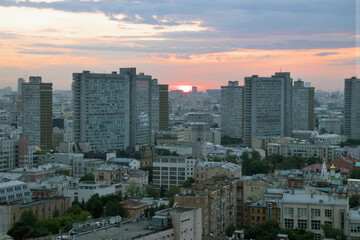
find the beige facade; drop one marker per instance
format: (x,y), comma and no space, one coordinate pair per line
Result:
(247,191)
(217,199)
(135,209)
(262,142)
(207,170)
(43,209)
(310,212)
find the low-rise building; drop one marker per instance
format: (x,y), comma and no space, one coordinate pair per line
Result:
(310,212)
(172,224)
(263,211)
(206,170)
(85,190)
(172,170)
(42,172)
(135,209)
(107,174)
(126,162)
(305,150)
(14,191)
(82,166)
(43,209)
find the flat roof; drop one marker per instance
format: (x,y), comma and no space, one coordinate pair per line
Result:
(301,198)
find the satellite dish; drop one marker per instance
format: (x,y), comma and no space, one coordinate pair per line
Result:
(112,220)
(118,218)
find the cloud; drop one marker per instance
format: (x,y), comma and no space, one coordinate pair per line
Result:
(323,54)
(26,51)
(350,62)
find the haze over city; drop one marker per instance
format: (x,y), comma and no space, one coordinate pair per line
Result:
(203,43)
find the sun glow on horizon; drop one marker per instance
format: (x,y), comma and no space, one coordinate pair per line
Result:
(184,88)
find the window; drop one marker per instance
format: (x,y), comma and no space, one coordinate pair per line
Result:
(328,223)
(302,224)
(315,224)
(355,227)
(317,236)
(315,212)
(289,211)
(302,211)
(289,223)
(328,213)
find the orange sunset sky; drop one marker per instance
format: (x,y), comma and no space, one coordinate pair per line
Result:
(203,43)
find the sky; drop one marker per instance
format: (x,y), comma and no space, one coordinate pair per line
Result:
(205,43)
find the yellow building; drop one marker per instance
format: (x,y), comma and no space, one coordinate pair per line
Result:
(135,209)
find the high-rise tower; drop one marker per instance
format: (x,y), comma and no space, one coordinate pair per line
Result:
(37,113)
(302,106)
(352,108)
(268,106)
(232,114)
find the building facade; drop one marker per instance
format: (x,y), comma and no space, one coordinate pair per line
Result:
(352,108)
(267,106)
(159,106)
(101,110)
(302,106)
(305,150)
(172,170)
(7,154)
(232,114)
(217,199)
(37,113)
(310,212)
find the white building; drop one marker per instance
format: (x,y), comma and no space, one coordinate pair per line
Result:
(82,166)
(85,190)
(7,154)
(127,162)
(305,150)
(172,170)
(14,191)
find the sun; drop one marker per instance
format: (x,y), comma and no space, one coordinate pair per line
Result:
(185,88)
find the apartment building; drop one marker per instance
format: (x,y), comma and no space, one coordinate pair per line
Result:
(217,199)
(263,211)
(82,166)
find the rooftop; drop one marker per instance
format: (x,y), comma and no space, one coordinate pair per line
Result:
(10,184)
(313,199)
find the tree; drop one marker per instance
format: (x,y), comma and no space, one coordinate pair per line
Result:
(354,173)
(114,208)
(323,131)
(354,200)
(89,177)
(173,190)
(62,172)
(334,233)
(133,190)
(152,191)
(188,182)
(230,230)
(29,217)
(56,213)
(120,153)
(150,170)
(19,230)
(94,206)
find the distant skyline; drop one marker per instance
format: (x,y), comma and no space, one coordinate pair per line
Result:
(180,42)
